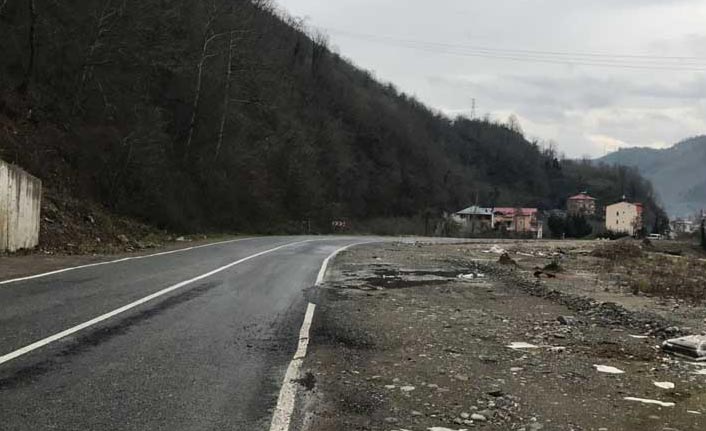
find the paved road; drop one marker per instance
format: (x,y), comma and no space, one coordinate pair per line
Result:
(210,355)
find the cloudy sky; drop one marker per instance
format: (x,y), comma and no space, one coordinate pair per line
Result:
(590,75)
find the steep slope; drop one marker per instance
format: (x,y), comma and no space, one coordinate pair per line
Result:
(677,173)
(226,115)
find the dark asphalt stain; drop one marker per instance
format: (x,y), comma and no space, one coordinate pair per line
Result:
(308,381)
(26,375)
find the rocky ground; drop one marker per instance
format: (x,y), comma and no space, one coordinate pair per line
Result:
(443,337)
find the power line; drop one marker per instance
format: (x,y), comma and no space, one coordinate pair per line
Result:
(629,61)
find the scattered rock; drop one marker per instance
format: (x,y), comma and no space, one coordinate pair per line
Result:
(567,320)
(608,369)
(505,259)
(664,385)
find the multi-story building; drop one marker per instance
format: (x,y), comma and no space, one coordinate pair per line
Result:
(581,204)
(624,217)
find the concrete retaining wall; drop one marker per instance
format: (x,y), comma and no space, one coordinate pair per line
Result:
(20,204)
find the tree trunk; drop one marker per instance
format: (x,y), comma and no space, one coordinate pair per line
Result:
(29,72)
(226,96)
(87,68)
(197,91)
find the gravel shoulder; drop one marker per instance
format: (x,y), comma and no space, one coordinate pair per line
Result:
(400,342)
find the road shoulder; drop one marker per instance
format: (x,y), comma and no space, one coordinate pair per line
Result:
(401,342)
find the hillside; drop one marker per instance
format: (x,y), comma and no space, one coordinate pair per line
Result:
(225,115)
(677,173)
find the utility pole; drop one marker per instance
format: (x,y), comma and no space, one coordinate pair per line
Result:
(473,108)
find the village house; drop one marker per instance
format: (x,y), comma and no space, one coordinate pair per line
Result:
(519,220)
(581,204)
(684,226)
(624,217)
(476,218)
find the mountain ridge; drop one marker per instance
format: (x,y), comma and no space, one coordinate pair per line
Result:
(226,115)
(678,173)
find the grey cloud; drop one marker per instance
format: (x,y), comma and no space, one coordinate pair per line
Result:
(564,102)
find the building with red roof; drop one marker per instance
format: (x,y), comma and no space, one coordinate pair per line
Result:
(521,220)
(581,204)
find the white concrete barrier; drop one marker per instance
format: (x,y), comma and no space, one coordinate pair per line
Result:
(20,205)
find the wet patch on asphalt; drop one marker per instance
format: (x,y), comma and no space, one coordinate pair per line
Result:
(24,375)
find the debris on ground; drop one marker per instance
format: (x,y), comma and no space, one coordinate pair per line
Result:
(421,325)
(647,401)
(567,320)
(553,266)
(691,346)
(608,369)
(505,259)
(522,345)
(495,249)
(471,276)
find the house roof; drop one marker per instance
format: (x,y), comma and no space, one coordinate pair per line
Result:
(582,197)
(635,204)
(475,210)
(509,211)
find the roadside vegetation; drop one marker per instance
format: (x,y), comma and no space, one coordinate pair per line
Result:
(667,269)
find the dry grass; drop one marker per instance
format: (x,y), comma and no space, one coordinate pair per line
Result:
(666,276)
(621,249)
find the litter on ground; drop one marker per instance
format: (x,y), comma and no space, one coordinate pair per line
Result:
(495,249)
(646,401)
(639,337)
(608,369)
(522,345)
(471,276)
(664,385)
(692,346)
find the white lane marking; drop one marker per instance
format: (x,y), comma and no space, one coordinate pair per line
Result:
(124,259)
(41,343)
(282,415)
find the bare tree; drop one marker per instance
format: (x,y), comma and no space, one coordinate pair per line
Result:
(226,95)
(32,39)
(103,24)
(208,37)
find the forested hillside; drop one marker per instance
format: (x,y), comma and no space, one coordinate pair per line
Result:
(678,173)
(222,114)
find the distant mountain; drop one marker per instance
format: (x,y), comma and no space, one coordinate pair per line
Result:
(677,173)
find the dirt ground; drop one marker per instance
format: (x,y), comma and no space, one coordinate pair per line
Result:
(418,337)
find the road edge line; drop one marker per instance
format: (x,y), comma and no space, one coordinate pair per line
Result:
(282,415)
(123,259)
(58,336)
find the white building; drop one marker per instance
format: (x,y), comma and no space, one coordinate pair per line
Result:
(624,217)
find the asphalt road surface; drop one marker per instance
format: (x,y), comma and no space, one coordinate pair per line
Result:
(208,355)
